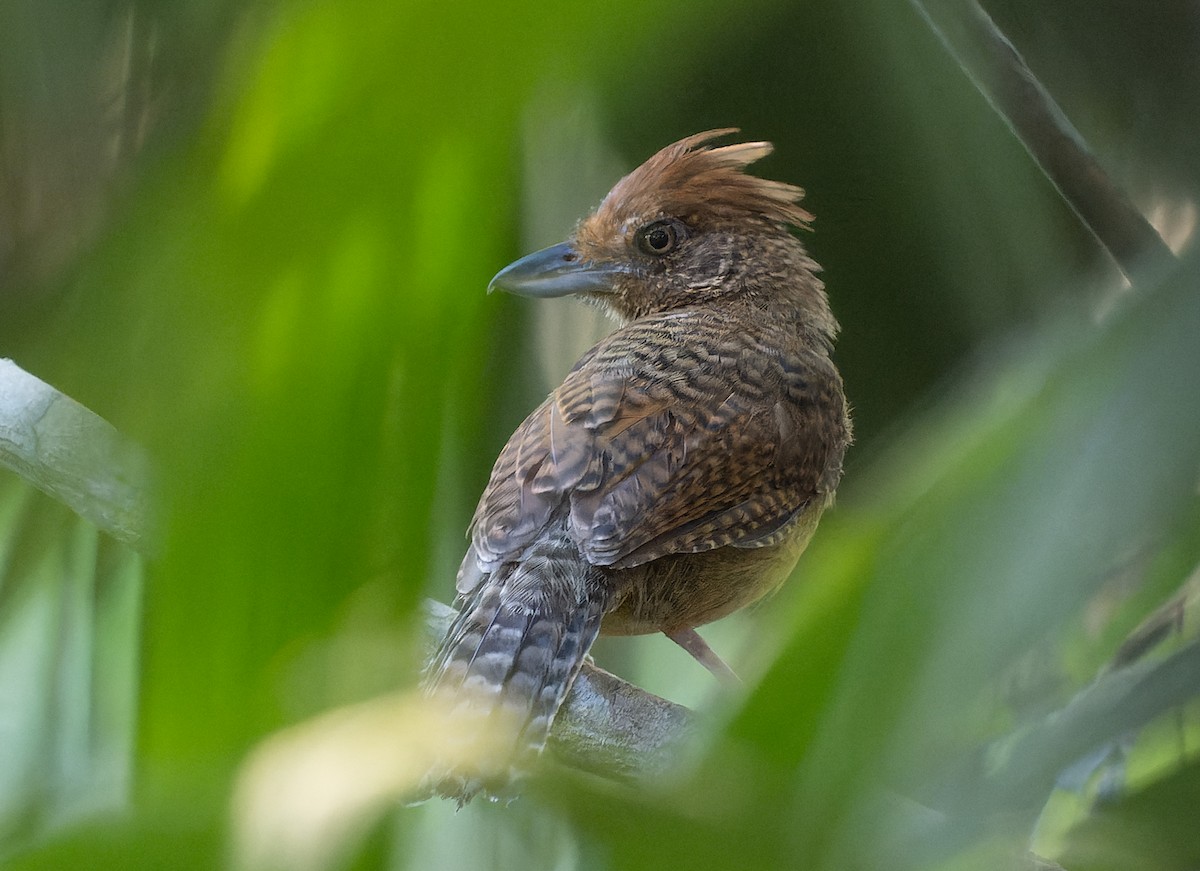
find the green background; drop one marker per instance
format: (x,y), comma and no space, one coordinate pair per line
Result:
(256,239)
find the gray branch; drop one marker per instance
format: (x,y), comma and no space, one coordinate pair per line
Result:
(1000,73)
(75,456)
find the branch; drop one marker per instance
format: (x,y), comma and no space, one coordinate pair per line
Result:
(75,456)
(1000,73)
(607,725)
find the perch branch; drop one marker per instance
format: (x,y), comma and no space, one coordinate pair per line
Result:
(75,456)
(1001,75)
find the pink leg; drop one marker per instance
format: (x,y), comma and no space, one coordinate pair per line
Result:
(690,640)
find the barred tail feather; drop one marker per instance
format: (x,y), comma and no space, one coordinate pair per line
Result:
(576,640)
(509,659)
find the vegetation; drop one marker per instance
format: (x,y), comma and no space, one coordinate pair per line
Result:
(256,241)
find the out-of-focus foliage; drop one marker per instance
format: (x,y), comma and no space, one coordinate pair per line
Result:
(256,239)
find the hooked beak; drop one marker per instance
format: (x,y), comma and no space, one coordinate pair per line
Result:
(555,271)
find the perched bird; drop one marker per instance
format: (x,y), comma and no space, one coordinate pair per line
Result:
(680,468)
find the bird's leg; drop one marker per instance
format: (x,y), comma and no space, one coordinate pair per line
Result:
(690,640)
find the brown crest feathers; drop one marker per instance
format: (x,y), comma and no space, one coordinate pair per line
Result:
(690,179)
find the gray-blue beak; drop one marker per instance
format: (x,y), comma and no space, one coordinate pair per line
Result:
(555,271)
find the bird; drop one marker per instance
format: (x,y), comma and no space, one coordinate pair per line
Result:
(680,469)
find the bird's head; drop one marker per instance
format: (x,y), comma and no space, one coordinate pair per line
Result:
(687,227)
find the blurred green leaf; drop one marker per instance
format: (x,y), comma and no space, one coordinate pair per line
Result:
(69,619)
(257,240)
(1152,829)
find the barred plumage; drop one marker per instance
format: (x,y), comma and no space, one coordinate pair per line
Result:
(681,467)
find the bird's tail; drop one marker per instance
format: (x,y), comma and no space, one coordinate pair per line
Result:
(508,661)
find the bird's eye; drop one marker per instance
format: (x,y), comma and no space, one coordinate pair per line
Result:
(659,238)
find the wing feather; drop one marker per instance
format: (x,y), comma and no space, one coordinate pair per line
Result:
(654,451)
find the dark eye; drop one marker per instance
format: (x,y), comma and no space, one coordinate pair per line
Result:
(659,238)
